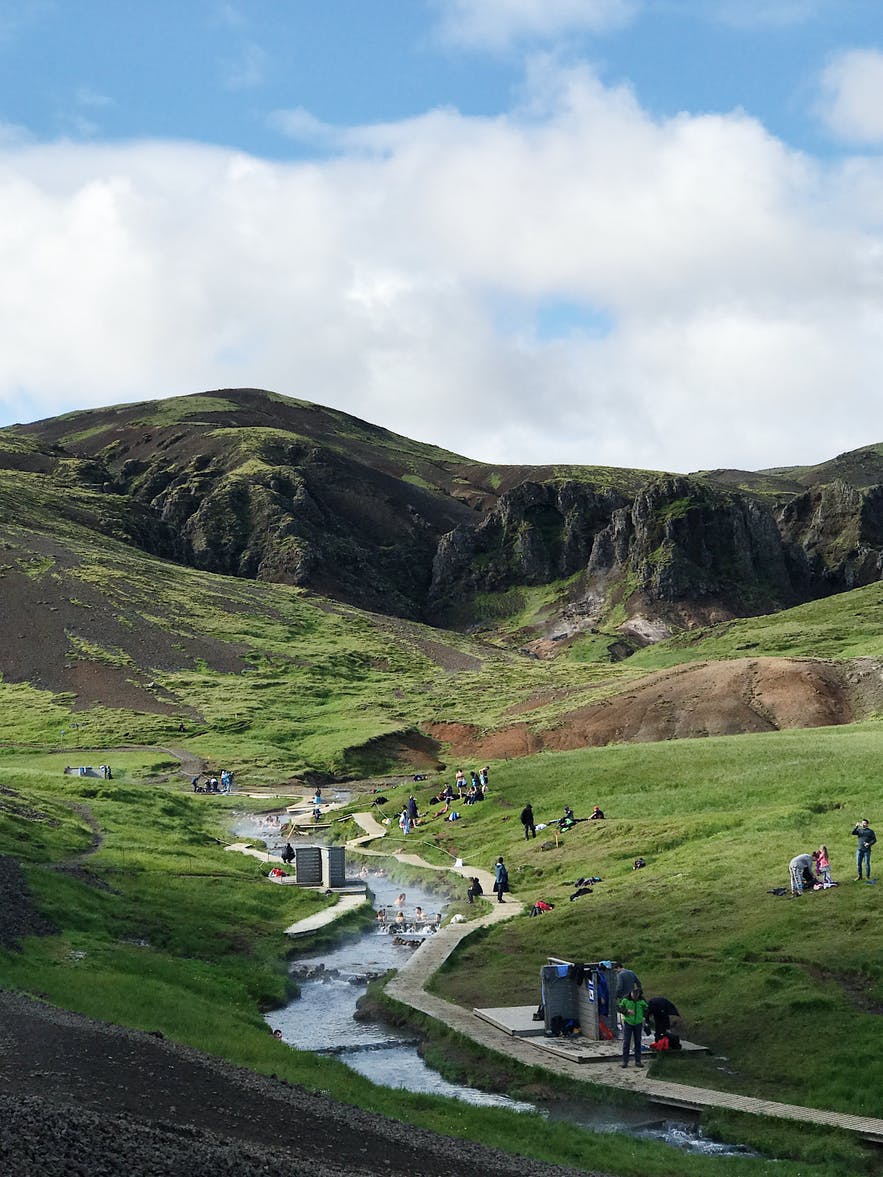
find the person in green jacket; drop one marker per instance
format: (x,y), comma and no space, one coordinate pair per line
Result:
(634,1013)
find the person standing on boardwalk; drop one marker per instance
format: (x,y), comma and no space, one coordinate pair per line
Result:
(634,1013)
(866,839)
(626,980)
(528,822)
(501,878)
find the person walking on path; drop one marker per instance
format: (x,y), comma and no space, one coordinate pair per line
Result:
(530,828)
(866,839)
(802,871)
(405,821)
(501,878)
(634,1013)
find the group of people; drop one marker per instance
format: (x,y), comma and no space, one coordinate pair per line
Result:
(813,871)
(638,1012)
(478,780)
(568,821)
(223,783)
(421,921)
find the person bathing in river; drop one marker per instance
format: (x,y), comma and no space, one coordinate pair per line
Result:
(400,900)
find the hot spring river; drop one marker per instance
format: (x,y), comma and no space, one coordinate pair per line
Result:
(322,1020)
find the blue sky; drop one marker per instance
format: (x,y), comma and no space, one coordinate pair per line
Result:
(215,72)
(607,231)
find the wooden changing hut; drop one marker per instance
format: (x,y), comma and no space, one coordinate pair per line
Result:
(579,995)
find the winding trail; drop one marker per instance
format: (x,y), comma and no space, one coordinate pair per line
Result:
(408,987)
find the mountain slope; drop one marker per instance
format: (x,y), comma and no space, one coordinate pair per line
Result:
(263,487)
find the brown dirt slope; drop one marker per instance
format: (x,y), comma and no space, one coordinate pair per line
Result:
(701,699)
(37,646)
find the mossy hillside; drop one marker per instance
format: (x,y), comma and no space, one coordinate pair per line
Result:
(254,671)
(184,938)
(763,980)
(847,625)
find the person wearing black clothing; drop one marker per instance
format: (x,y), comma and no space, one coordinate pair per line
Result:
(412,810)
(661,1010)
(866,839)
(475,888)
(528,822)
(287,854)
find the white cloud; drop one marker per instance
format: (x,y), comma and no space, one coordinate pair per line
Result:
(303,126)
(248,70)
(497,24)
(851,101)
(17,16)
(739,283)
(765,14)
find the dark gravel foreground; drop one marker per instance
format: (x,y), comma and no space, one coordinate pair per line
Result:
(81,1097)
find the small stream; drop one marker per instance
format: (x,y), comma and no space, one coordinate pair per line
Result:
(322,1019)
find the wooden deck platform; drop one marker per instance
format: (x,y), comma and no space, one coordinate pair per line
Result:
(517,1020)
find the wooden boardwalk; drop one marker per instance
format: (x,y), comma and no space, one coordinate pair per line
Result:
(408,987)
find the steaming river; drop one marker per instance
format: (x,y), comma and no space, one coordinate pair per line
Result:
(322,1019)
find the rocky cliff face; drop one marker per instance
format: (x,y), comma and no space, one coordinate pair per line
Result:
(301,515)
(835,537)
(678,541)
(256,485)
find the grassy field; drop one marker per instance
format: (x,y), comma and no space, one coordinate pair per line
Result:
(789,991)
(161,929)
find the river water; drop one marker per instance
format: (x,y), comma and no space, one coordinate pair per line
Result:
(322,1019)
